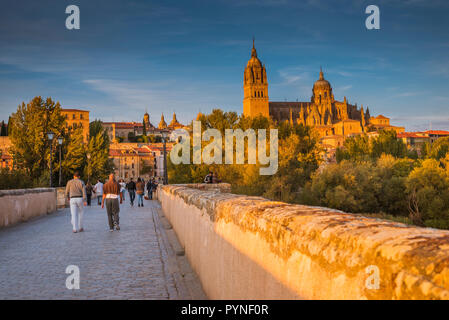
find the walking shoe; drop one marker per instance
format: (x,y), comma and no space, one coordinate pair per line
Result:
(142,205)
(117,227)
(81,230)
(74,231)
(110,230)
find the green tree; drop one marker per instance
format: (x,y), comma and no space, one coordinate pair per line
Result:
(144,130)
(75,155)
(9,127)
(439,149)
(154,138)
(388,143)
(15,179)
(28,132)
(3,131)
(131,137)
(428,189)
(99,165)
(355,149)
(363,148)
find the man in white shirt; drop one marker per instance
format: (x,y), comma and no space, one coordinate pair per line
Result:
(76,192)
(98,189)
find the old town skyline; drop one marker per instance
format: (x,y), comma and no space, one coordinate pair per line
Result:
(157,57)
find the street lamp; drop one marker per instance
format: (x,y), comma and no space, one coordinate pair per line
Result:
(60,140)
(50,136)
(164,139)
(88,166)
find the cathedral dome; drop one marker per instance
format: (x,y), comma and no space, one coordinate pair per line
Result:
(322,83)
(255,72)
(254,61)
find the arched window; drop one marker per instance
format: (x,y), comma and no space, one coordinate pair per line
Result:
(262,94)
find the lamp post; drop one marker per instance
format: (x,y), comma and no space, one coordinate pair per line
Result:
(88,166)
(50,136)
(60,140)
(164,138)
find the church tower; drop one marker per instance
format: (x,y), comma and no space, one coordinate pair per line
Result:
(255,88)
(323,98)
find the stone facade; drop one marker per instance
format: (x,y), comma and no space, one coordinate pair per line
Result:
(323,112)
(255,87)
(133,160)
(75,118)
(119,131)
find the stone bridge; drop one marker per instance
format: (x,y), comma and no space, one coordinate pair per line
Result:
(201,241)
(141,261)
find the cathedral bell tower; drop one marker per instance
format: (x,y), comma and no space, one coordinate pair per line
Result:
(255,88)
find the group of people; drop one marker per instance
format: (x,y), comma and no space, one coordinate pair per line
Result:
(211,177)
(139,188)
(111,194)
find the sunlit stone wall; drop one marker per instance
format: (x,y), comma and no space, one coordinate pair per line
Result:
(23,204)
(251,248)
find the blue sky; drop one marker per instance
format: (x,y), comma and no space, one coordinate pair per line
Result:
(189,56)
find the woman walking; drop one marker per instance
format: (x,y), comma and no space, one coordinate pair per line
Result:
(122,188)
(140,186)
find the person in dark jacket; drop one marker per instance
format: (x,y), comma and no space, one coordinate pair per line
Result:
(150,189)
(208,178)
(131,186)
(89,190)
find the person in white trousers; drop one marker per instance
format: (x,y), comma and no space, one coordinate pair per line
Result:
(75,191)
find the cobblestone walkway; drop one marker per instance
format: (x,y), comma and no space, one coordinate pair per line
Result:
(133,263)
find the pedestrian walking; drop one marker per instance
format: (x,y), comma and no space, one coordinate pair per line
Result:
(150,189)
(98,189)
(111,195)
(89,190)
(75,191)
(140,190)
(123,188)
(131,186)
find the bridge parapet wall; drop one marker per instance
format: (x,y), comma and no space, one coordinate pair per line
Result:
(23,204)
(245,247)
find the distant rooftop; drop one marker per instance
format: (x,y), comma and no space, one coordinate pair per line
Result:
(73,110)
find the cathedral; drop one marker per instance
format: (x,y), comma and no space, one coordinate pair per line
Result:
(327,115)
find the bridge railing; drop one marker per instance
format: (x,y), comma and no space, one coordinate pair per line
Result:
(23,204)
(245,247)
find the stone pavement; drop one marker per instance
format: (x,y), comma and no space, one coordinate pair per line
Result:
(137,262)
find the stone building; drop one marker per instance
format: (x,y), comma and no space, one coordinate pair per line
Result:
(133,160)
(174,124)
(162,124)
(5,157)
(122,130)
(77,118)
(323,112)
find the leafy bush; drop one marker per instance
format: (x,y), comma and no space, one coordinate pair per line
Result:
(362,186)
(16,179)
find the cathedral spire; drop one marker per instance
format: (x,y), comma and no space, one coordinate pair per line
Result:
(253,50)
(321,74)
